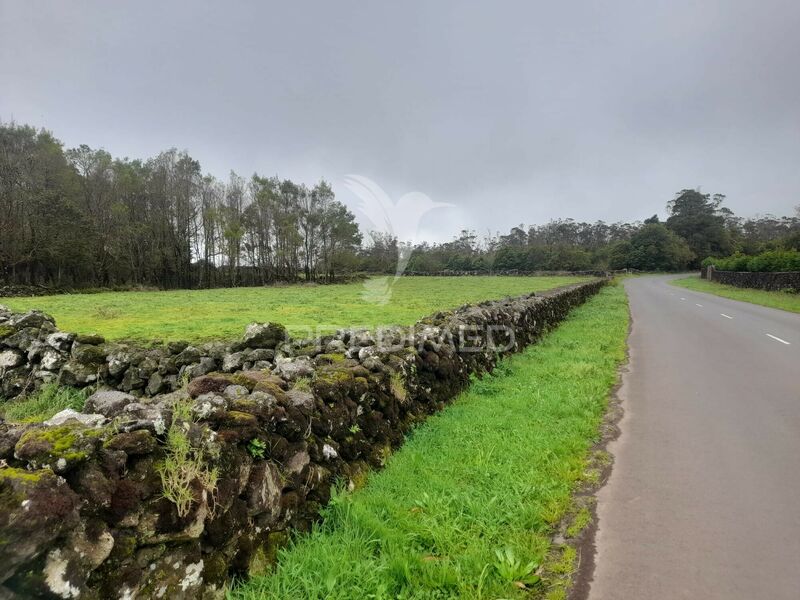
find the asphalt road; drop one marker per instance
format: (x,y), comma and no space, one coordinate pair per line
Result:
(703,501)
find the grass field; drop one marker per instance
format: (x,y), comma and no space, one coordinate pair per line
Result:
(222,314)
(781,300)
(466,508)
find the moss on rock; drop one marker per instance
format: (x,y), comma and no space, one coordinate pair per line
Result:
(11,473)
(271,388)
(60,448)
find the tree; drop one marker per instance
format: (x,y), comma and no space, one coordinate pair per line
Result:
(340,238)
(700,220)
(81,218)
(652,248)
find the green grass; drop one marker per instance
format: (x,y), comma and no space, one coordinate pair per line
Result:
(43,404)
(466,508)
(781,300)
(222,314)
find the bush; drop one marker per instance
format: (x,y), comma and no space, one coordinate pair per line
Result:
(771,261)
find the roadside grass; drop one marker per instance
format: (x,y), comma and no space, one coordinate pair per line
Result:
(222,314)
(43,404)
(782,300)
(467,507)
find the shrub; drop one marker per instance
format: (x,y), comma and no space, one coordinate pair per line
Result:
(775,260)
(770,261)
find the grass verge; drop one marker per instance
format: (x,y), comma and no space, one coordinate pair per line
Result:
(219,314)
(43,404)
(781,300)
(468,506)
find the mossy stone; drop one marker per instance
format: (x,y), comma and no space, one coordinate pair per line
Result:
(61,447)
(90,338)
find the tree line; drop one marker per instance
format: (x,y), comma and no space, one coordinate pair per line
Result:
(81,218)
(698,225)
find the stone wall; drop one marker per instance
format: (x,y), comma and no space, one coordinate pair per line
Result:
(33,351)
(169,496)
(787,281)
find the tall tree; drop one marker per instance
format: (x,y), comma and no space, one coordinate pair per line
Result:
(700,220)
(653,248)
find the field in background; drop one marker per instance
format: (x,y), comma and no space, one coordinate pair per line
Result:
(222,314)
(781,300)
(466,508)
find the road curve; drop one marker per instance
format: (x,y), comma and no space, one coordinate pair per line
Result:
(703,501)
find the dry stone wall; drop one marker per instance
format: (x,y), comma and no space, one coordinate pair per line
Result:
(776,282)
(33,351)
(170,495)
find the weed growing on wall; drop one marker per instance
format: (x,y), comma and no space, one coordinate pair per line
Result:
(50,399)
(184,465)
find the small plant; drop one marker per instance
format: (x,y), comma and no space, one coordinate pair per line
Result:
(303,384)
(256,448)
(397,385)
(183,464)
(44,403)
(512,570)
(354,429)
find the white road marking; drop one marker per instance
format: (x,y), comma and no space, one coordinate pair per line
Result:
(700,305)
(683,298)
(777,339)
(726,316)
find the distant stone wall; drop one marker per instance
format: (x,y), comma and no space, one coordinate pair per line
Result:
(169,496)
(19,291)
(787,281)
(506,273)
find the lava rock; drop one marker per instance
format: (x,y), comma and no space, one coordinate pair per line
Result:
(109,403)
(35,507)
(264,335)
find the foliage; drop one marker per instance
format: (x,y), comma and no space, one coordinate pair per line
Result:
(492,472)
(303,384)
(512,570)
(184,465)
(770,261)
(256,448)
(700,220)
(564,244)
(652,248)
(781,300)
(48,400)
(201,315)
(81,218)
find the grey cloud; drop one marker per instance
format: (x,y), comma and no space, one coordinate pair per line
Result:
(514,111)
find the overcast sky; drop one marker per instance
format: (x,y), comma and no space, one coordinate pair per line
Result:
(514,112)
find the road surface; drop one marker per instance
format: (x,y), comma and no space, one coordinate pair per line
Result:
(703,501)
